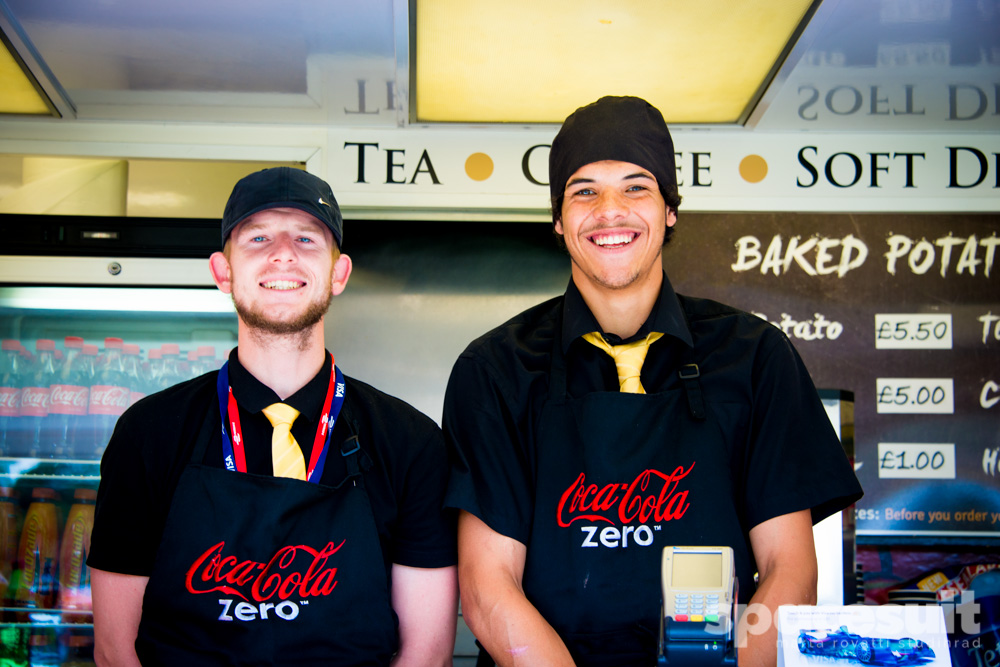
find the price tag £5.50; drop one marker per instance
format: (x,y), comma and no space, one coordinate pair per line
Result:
(913,331)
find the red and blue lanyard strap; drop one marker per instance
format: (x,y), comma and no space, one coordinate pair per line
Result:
(233,453)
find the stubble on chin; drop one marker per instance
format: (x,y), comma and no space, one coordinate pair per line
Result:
(260,324)
(609,281)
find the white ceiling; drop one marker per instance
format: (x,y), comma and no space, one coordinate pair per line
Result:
(860,65)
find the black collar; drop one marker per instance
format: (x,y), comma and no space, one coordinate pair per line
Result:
(666,317)
(253,395)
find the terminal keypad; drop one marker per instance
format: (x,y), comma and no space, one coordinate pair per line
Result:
(696,607)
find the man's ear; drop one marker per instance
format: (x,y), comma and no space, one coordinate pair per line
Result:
(221,273)
(557,225)
(341,272)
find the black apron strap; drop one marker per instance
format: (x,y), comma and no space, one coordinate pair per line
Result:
(354,457)
(557,364)
(349,450)
(689,375)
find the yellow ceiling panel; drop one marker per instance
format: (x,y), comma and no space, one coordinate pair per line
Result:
(699,61)
(18,94)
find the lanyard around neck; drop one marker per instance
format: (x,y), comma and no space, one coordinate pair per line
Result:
(233,453)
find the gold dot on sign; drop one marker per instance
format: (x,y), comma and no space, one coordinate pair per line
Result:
(753,168)
(479,166)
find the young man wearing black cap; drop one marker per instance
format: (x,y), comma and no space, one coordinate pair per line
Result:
(275,512)
(573,468)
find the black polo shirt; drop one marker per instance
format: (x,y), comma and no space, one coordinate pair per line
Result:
(404,461)
(787,449)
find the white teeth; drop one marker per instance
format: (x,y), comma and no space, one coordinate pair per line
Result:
(613,239)
(282,284)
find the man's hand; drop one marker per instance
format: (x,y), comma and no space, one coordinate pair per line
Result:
(490,571)
(786,562)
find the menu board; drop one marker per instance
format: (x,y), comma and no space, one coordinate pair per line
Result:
(901,310)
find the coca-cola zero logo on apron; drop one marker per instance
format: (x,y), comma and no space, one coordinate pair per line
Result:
(300,572)
(628,508)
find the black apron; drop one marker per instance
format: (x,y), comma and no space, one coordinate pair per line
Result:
(620,476)
(261,570)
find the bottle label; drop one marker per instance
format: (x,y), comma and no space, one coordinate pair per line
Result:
(135,396)
(10,401)
(34,402)
(67,399)
(39,556)
(74,550)
(74,575)
(108,400)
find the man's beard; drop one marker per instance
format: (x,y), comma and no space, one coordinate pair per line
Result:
(258,320)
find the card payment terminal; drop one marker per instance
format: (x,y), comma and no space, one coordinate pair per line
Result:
(699,606)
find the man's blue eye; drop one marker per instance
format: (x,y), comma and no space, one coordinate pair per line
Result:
(257,238)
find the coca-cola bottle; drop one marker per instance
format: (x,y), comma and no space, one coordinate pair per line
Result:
(10,392)
(204,360)
(172,371)
(109,395)
(69,388)
(35,398)
(82,445)
(154,372)
(133,372)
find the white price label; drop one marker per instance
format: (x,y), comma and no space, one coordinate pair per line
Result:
(923,396)
(905,460)
(915,331)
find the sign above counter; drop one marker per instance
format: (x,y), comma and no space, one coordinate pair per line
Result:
(460,172)
(471,170)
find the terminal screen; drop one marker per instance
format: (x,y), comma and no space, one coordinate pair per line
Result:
(697,570)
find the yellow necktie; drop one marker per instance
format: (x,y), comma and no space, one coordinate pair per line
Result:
(286,455)
(628,359)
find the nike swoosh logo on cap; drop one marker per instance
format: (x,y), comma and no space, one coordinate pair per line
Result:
(320,200)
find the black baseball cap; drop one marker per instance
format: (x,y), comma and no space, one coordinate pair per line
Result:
(283,187)
(626,129)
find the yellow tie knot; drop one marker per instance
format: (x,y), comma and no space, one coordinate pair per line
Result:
(286,455)
(281,413)
(628,359)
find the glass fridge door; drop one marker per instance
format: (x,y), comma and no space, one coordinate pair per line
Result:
(72,360)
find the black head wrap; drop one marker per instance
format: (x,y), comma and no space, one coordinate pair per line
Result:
(626,129)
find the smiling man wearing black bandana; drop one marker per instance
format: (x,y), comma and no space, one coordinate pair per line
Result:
(220,540)
(572,473)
